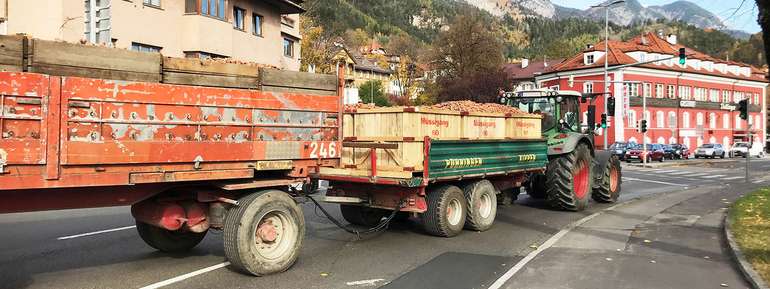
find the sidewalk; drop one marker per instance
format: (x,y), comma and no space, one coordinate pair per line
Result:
(667,241)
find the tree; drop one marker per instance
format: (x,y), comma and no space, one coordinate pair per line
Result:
(468,57)
(764,22)
(371,91)
(356,38)
(318,47)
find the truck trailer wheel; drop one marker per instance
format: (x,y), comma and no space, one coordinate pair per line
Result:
(446,212)
(569,179)
(362,216)
(263,233)
(168,241)
(607,189)
(482,205)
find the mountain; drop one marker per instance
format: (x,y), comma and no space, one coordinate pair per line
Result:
(689,12)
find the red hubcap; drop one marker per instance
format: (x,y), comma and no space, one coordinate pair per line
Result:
(266,232)
(580,180)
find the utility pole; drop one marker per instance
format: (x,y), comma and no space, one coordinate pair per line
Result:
(606,51)
(748,150)
(644,133)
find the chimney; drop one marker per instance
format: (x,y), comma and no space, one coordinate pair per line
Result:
(589,46)
(524,63)
(671,39)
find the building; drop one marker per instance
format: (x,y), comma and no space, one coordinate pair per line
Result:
(523,73)
(690,104)
(264,31)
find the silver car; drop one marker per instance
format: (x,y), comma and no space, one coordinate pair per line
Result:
(711,150)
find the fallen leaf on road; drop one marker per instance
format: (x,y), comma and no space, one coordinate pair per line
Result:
(723,285)
(324,274)
(608,259)
(533,246)
(647,241)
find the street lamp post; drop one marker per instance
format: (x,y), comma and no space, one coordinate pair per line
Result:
(606,7)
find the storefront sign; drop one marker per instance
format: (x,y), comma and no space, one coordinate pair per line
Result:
(727,106)
(687,103)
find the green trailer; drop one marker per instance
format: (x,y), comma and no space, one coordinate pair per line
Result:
(458,187)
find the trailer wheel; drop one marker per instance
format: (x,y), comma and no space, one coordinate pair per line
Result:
(482,205)
(263,233)
(446,212)
(168,241)
(508,197)
(536,187)
(607,189)
(362,216)
(569,179)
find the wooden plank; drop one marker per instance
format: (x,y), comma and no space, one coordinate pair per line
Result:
(187,78)
(193,71)
(297,90)
(230,186)
(144,178)
(12,53)
(294,79)
(68,59)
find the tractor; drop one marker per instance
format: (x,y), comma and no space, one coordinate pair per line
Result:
(576,170)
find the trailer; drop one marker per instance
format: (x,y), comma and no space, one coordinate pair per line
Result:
(187,159)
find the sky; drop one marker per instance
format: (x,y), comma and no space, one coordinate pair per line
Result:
(744,18)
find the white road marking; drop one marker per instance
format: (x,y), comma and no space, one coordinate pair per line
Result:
(547,244)
(185,276)
(757,181)
(734,178)
(680,173)
(371,282)
(713,176)
(96,233)
(654,182)
(695,175)
(667,171)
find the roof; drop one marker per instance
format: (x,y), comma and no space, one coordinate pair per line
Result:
(363,63)
(288,6)
(652,43)
(516,72)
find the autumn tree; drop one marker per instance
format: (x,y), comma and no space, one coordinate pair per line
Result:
(318,47)
(407,49)
(468,59)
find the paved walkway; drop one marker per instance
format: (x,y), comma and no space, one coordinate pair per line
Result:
(668,241)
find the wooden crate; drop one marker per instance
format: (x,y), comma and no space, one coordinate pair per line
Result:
(194,71)
(400,123)
(70,59)
(12,49)
(524,126)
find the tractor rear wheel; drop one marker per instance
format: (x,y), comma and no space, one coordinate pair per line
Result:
(569,179)
(607,189)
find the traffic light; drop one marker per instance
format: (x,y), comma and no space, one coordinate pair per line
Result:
(604,120)
(643,126)
(743,108)
(611,106)
(682,56)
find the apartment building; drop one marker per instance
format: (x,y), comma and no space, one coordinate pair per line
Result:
(261,31)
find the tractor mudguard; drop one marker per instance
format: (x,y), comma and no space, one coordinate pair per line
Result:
(601,157)
(563,143)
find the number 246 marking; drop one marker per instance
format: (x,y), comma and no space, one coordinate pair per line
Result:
(322,150)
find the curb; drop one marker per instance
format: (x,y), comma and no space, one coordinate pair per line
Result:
(748,271)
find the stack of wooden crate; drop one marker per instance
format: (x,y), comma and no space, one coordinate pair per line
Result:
(407,127)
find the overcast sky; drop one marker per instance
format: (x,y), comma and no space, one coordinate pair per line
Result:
(743,19)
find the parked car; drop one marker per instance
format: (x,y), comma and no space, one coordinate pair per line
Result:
(654,153)
(742,149)
(619,149)
(710,150)
(668,151)
(681,151)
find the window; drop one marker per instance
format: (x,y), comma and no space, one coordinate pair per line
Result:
(631,89)
(670,92)
(659,90)
(672,119)
(554,87)
(202,55)
(288,47)
(738,96)
(155,3)
(632,119)
(191,6)
(699,119)
(588,87)
(589,59)
(738,121)
(136,46)
(712,120)
(685,120)
(238,14)
(213,8)
(647,90)
(756,99)
(726,121)
(685,92)
(725,96)
(660,119)
(256,23)
(648,117)
(714,95)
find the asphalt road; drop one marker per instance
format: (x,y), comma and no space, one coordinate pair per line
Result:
(98,248)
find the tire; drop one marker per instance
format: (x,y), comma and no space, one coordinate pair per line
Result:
(362,216)
(607,190)
(508,197)
(662,159)
(444,201)
(265,210)
(722,156)
(569,179)
(481,197)
(168,241)
(696,156)
(536,186)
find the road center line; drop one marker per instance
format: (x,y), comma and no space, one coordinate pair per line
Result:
(371,282)
(185,276)
(654,182)
(96,233)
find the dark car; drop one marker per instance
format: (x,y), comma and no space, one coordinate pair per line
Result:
(637,153)
(619,149)
(668,151)
(681,151)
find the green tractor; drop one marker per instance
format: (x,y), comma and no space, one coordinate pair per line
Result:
(576,169)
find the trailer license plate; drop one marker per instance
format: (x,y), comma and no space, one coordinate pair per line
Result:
(274,165)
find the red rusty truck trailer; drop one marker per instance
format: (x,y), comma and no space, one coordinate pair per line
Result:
(186,158)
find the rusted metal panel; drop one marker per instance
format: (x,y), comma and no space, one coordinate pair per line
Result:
(257,184)
(166,177)
(52,125)
(21,118)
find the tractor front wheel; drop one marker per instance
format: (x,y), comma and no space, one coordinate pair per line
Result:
(570,180)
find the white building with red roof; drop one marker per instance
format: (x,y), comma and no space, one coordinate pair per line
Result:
(690,104)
